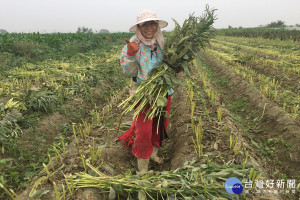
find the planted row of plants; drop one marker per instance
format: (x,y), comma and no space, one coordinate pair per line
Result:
(199,178)
(286,47)
(19,48)
(291,57)
(267,33)
(274,88)
(33,87)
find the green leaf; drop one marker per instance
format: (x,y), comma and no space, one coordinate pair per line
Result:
(173,59)
(165,183)
(182,39)
(112,194)
(161,102)
(38,194)
(185,57)
(109,122)
(177,81)
(142,195)
(3,161)
(184,51)
(186,69)
(168,80)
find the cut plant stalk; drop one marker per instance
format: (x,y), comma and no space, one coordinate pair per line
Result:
(63,145)
(108,138)
(103,112)
(56,191)
(74,132)
(245,161)
(80,130)
(168,183)
(237,146)
(50,161)
(230,141)
(193,105)
(70,184)
(10,192)
(87,127)
(208,161)
(220,113)
(93,152)
(64,192)
(37,183)
(57,154)
(49,175)
(83,159)
(198,142)
(253,176)
(119,124)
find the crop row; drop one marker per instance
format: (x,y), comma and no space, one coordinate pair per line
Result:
(268,58)
(264,51)
(269,86)
(38,80)
(56,40)
(266,33)
(286,47)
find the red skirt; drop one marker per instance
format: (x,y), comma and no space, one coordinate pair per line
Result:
(142,135)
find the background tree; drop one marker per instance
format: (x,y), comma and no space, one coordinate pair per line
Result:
(3,31)
(277,24)
(104,31)
(84,30)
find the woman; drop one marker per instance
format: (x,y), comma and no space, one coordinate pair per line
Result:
(141,54)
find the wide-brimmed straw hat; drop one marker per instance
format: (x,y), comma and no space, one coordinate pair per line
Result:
(148,15)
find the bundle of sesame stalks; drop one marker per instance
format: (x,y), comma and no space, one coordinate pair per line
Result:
(193,181)
(181,46)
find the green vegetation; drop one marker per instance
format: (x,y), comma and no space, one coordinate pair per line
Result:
(267,33)
(254,61)
(193,180)
(277,24)
(77,79)
(40,75)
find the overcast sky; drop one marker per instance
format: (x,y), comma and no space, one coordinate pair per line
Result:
(119,15)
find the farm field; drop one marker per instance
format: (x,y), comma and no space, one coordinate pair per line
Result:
(238,115)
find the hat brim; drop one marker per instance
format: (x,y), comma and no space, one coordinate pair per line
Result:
(161,23)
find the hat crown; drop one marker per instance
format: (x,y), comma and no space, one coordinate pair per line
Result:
(146,14)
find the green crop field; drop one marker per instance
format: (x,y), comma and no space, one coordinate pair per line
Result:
(237,115)
(42,75)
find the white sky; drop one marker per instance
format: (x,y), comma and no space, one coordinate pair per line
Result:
(119,15)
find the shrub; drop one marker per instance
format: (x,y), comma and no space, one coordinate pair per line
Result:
(28,49)
(41,100)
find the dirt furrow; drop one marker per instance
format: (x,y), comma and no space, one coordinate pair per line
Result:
(276,124)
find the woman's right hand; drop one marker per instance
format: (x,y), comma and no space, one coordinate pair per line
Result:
(132,48)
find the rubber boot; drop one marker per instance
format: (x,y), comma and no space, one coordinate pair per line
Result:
(142,165)
(154,156)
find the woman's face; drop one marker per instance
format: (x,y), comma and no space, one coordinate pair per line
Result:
(148,29)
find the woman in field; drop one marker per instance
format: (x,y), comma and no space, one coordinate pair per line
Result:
(142,53)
